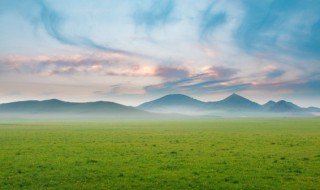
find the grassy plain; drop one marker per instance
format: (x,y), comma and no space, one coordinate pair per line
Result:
(194,154)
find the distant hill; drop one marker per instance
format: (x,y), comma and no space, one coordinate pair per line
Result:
(235,102)
(169,106)
(179,103)
(268,105)
(60,108)
(313,109)
(282,106)
(232,106)
(174,103)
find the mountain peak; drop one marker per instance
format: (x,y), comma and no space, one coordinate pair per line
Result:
(52,100)
(178,103)
(284,106)
(269,103)
(176,96)
(174,99)
(235,96)
(235,101)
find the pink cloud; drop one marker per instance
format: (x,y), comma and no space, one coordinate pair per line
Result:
(220,72)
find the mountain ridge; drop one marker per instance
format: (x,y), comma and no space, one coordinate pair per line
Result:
(229,105)
(233,105)
(173,103)
(58,108)
(235,102)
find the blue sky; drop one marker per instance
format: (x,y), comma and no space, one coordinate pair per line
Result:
(131,51)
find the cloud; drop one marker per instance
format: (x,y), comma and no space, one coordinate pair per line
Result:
(112,64)
(63,71)
(310,85)
(275,74)
(211,79)
(159,13)
(136,71)
(210,20)
(96,68)
(220,72)
(120,89)
(40,13)
(299,89)
(280,27)
(204,87)
(53,22)
(172,73)
(272,71)
(14,93)
(27,9)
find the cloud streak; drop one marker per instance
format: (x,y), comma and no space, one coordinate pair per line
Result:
(277,26)
(53,21)
(220,72)
(210,79)
(210,20)
(98,63)
(157,14)
(172,73)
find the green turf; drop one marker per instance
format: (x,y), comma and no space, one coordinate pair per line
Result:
(212,154)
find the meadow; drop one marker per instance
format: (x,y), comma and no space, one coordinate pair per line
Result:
(190,154)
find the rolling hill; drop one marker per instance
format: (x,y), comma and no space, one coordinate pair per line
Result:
(60,108)
(175,103)
(268,105)
(235,102)
(233,106)
(169,106)
(283,106)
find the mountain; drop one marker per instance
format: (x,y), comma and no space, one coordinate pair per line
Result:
(313,109)
(175,103)
(235,102)
(60,108)
(284,106)
(179,103)
(169,106)
(232,106)
(268,105)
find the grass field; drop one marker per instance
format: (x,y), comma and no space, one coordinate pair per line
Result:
(198,154)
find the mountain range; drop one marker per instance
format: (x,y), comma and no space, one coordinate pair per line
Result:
(60,109)
(233,104)
(166,106)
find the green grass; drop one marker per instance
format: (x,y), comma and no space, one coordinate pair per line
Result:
(212,154)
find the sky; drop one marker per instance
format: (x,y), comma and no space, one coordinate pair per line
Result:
(135,51)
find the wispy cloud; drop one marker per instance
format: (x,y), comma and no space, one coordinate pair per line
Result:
(211,19)
(156,14)
(275,26)
(172,73)
(203,87)
(120,89)
(63,71)
(275,74)
(210,79)
(86,63)
(220,72)
(40,13)
(53,22)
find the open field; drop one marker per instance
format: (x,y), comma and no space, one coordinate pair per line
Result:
(197,154)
